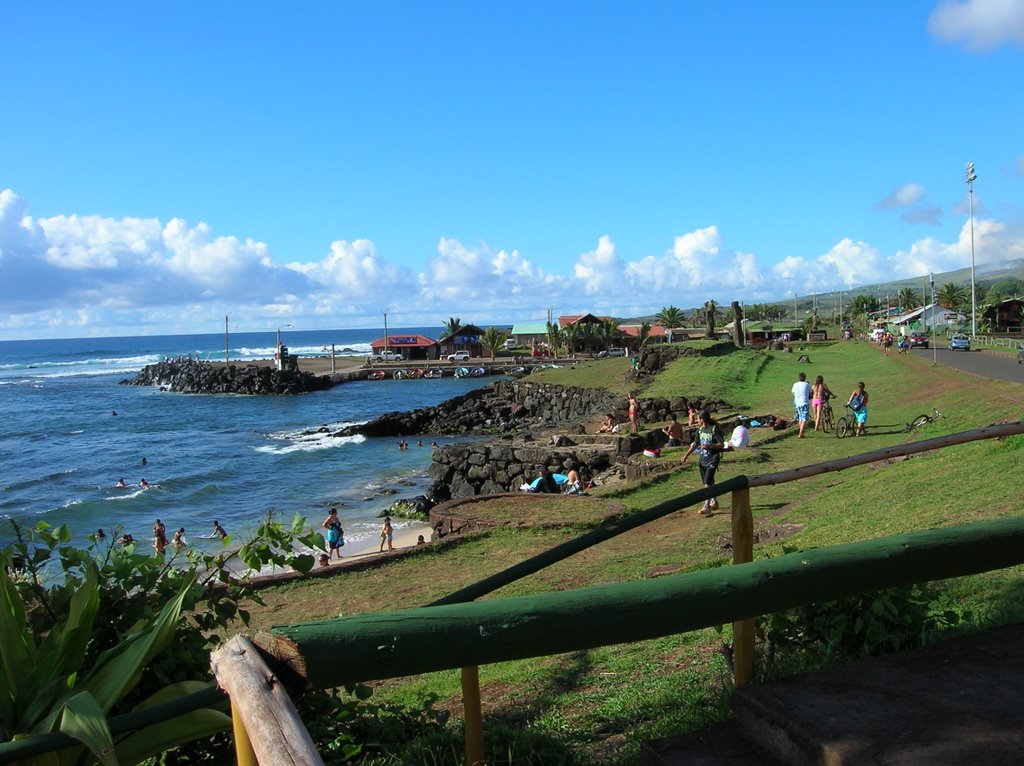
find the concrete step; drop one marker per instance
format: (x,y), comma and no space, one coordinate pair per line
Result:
(959,703)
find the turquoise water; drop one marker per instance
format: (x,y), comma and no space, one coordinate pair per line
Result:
(229,458)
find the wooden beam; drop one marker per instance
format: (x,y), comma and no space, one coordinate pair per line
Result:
(742,553)
(273,726)
(390,644)
(473,717)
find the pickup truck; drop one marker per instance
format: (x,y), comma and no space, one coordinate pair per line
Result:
(387,356)
(459,356)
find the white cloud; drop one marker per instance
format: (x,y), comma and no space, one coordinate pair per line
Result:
(902,196)
(354,270)
(980,25)
(599,270)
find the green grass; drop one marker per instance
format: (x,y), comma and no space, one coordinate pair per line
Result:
(600,704)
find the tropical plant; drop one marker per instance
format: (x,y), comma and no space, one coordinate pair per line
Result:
(908,298)
(645,333)
(85,633)
(554,333)
(493,339)
(952,296)
(862,305)
(670,318)
(452,325)
(608,332)
(993,296)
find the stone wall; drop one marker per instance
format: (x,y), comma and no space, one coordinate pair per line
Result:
(191,377)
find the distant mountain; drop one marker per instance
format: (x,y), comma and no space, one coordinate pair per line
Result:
(828,302)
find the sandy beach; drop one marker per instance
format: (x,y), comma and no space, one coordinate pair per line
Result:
(404,537)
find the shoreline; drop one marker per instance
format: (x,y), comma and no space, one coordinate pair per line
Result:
(404,537)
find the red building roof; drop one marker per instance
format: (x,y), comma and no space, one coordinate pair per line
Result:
(404,341)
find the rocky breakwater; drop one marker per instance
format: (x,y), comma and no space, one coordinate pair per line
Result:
(191,377)
(502,407)
(487,468)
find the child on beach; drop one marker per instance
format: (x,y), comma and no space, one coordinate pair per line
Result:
(387,535)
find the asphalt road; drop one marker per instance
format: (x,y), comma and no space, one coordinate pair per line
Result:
(987,364)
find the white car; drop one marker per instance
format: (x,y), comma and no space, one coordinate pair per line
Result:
(387,356)
(458,356)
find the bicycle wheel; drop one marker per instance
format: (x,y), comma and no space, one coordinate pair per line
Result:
(826,418)
(919,421)
(842,427)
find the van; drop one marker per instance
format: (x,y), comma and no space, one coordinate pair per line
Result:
(510,344)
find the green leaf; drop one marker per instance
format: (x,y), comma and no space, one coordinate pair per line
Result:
(160,737)
(63,650)
(117,669)
(84,720)
(17,655)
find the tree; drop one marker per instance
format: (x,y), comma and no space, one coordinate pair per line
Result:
(452,325)
(493,339)
(670,318)
(608,332)
(993,296)
(645,333)
(908,298)
(952,296)
(554,336)
(862,305)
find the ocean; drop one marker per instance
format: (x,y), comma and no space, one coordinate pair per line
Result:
(208,457)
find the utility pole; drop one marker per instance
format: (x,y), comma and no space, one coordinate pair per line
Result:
(969,178)
(226,346)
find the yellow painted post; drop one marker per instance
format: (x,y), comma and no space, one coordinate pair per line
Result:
(742,553)
(244,754)
(473,718)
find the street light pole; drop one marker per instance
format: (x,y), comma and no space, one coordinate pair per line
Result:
(385,335)
(935,358)
(969,178)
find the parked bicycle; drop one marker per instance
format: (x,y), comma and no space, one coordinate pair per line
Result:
(923,420)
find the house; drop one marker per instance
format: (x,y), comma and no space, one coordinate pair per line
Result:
(409,346)
(1005,316)
(529,333)
(925,317)
(465,338)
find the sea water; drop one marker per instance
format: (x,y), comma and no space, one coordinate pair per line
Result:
(208,457)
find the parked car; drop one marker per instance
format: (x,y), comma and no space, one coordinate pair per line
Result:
(959,343)
(919,339)
(387,356)
(612,352)
(458,356)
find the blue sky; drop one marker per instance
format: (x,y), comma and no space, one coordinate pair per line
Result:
(162,165)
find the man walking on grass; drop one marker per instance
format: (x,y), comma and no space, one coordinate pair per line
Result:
(802,401)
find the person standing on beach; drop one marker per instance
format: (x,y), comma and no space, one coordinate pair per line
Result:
(634,413)
(387,535)
(159,537)
(335,534)
(802,401)
(709,443)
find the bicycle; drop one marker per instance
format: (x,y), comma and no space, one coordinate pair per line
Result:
(827,416)
(846,423)
(923,420)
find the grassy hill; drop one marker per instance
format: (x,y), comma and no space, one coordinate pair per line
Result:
(596,706)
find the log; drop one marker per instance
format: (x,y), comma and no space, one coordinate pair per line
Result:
(273,726)
(392,644)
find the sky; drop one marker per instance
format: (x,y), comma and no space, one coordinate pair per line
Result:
(320,164)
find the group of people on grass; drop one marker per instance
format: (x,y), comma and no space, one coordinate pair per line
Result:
(811,399)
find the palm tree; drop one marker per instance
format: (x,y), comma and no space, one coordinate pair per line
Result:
(608,331)
(670,318)
(586,336)
(554,337)
(908,298)
(952,296)
(452,325)
(645,333)
(493,339)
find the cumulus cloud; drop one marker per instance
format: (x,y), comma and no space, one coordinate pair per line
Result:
(599,270)
(902,196)
(980,25)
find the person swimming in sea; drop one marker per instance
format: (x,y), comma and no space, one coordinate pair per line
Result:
(143,484)
(121,483)
(219,531)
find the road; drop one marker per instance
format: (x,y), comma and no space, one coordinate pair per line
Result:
(989,365)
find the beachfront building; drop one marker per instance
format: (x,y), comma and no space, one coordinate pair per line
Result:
(631,335)
(925,318)
(761,332)
(1005,316)
(411,347)
(465,338)
(529,334)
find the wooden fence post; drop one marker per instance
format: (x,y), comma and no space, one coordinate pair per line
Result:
(261,708)
(473,717)
(742,553)
(244,754)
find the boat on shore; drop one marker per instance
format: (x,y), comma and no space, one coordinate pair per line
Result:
(376,375)
(461,372)
(434,372)
(477,372)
